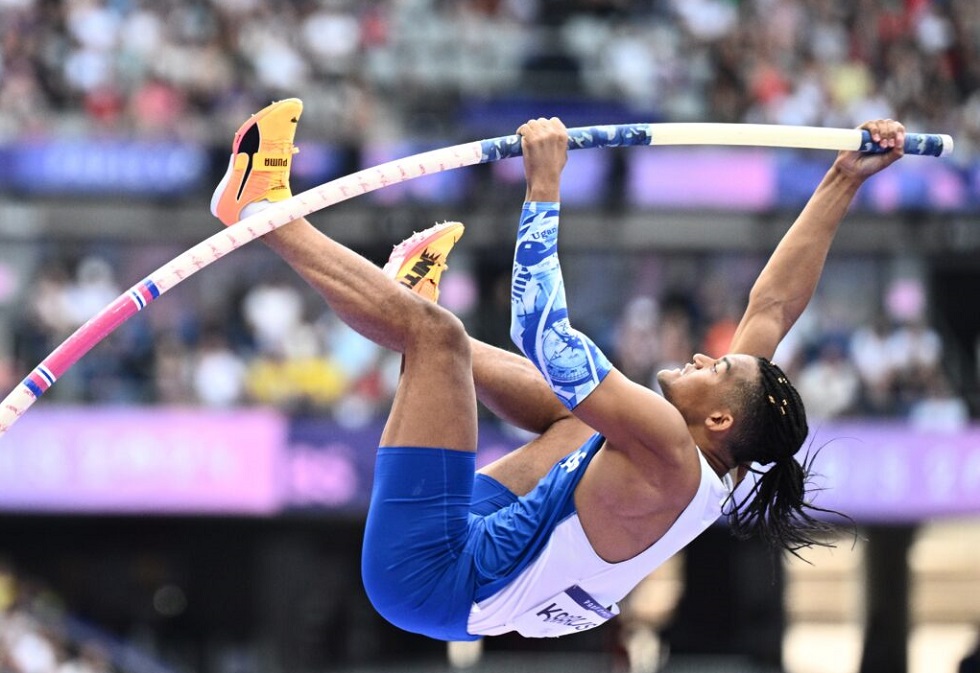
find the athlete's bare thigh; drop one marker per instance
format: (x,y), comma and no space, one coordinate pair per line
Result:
(522,469)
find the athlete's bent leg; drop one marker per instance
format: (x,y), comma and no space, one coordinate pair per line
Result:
(418,521)
(418,524)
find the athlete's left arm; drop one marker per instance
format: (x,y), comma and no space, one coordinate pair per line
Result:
(787,282)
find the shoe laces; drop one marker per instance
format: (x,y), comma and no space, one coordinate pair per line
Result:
(284,146)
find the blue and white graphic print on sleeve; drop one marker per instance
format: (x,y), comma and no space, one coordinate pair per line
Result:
(569,360)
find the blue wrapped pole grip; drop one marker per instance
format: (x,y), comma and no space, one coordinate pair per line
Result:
(758,135)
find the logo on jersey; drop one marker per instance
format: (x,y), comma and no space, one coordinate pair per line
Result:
(553,614)
(571,463)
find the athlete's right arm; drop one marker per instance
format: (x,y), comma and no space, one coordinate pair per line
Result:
(629,415)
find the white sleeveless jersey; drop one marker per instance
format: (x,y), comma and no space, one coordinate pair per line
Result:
(568,588)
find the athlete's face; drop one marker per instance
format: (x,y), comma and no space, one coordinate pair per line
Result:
(703,384)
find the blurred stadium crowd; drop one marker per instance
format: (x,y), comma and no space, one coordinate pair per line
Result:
(394,68)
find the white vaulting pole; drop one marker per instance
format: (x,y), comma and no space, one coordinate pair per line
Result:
(44,375)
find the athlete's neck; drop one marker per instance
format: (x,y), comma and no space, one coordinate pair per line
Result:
(718,464)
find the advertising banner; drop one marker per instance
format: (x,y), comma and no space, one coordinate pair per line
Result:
(261,463)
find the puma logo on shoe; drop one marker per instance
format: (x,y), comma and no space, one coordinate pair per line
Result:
(261,156)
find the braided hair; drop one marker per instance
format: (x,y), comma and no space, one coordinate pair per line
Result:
(771,430)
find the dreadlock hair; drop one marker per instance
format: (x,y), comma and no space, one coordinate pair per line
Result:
(771,430)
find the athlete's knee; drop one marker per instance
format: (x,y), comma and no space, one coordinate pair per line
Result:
(393,595)
(380,585)
(435,327)
(419,595)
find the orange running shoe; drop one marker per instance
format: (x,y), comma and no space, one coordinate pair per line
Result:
(261,157)
(418,261)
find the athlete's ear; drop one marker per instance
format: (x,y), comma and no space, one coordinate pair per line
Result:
(719,421)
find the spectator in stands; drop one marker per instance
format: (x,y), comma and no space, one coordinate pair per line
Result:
(636,339)
(829,384)
(869,352)
(218,372)
(915,351)
(939,408)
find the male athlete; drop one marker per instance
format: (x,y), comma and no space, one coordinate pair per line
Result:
(548,539)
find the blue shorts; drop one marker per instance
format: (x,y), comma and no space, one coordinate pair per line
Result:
(434,544)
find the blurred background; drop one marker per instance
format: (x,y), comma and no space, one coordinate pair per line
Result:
(190,496)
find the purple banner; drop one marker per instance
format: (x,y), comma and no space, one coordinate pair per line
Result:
(743,180)
(257,463)
(891,472)
(136,461)
(105,167)
(760,179)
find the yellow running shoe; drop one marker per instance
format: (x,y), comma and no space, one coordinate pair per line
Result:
(418,261)
(261,157)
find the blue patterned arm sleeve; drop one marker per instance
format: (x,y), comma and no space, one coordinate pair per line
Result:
(571,363)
